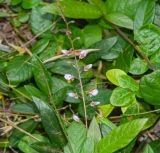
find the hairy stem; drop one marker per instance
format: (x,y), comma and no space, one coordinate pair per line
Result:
(77,66)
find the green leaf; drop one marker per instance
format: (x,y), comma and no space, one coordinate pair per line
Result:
(77,134)
(15,2)
(39,21)
(91,35)
(128,82)
(155,58)
(89,146)
(25,143)
(50,122)
(40,45)
(150,87)
(27,108)
(99,4)
(148,149)
(41,76)
(114,74)
(17,135)
(19,69)
(33,91)
(154,146)
(44,147)
(93,136)
(23,16)
(94,130)
(3,83)
(149,39)
(120,20)
(157,15)
(124,59)
(74,9)
(122,12)
(121,136)
(103,96)
(145,14)
(122,97)
(106,46)
(106,126)
(138,67)
(66,67)
(28,4)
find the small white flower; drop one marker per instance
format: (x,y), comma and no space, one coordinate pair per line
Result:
(83,54)
(72,94)
(69,77)
(75,118)
(66,52)
(93,92)
(94,103)
(87,67)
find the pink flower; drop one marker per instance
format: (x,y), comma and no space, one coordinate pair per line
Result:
(75,118)
(87,67)
(83,54)
(72,94)
(66,52)
(69,77)
(93,92)
(94,103)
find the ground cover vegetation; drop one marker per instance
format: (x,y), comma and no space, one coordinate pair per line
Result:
(79,76)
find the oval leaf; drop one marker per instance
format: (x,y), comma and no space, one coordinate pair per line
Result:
(114,74)
(19,70)
(150,88)
(74,9)
(121,136)
(50,122)
(122,97)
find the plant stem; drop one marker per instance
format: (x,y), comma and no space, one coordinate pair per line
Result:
(77,67)
(129,115)
(18,128)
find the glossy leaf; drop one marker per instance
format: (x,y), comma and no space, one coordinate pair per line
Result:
(157,15)
(19,70)
(41,76)
(145,14)
(74,9)
(99,4)
(50,122)
(17,135)
(91,35)
(138,67)
(149,39)
(122,97)
(148,149)
(25,143)
(44,147)
(128,82)
(114,74)
(122,12)
(77,134)
(30,4)
(39,21)
(94,130)
(124,59)
(121,136)
(150,87)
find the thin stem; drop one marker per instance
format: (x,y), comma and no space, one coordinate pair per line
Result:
(36,36)
(129,115)
(18,128)
(77,67)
